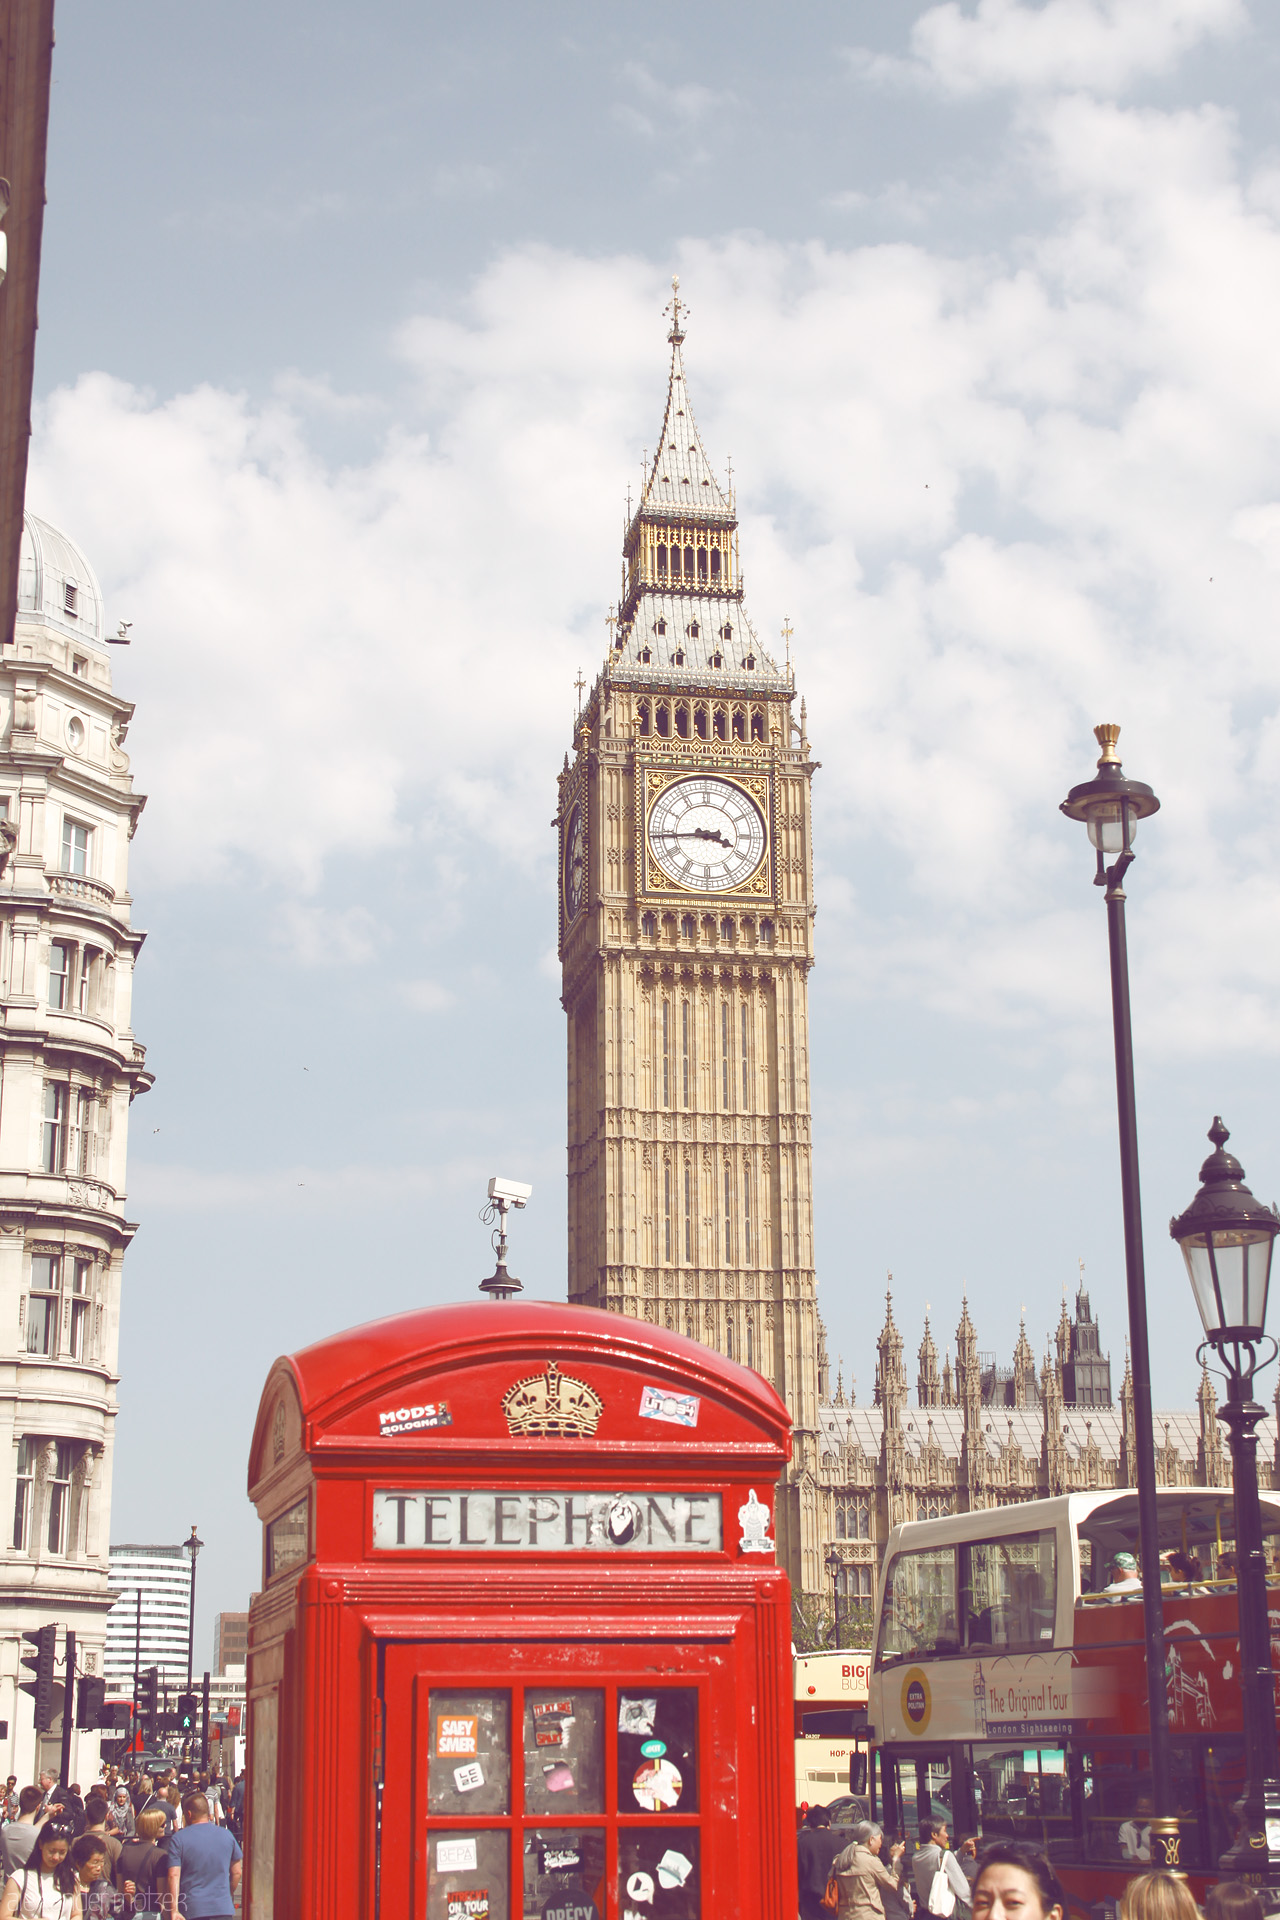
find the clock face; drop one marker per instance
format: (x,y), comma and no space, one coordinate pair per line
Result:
(575,860)
(706,834)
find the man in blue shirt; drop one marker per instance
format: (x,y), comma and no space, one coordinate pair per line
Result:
(204,1865)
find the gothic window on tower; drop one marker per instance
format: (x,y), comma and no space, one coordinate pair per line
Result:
(662,568)
(661,628)
(644,713)
(682,721)
(688,563)
(746,1082)
(684,1046)
(721,724)
(746,1217)
(688,931)
(739,723)
(717,658)
(726,633)
(715,563)
(649,926)
(666,1209)
(677,658)
(645,658)
(700,721)
(725,1069)
(757,717)
(688,1214)
(693,630)
(666,1068)
(728,1218)
(662,720)
(750,664)
(728,1340)
(726,929)
(766,933)
(702,563)
(933,1506)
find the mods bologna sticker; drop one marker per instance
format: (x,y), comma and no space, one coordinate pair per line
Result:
(436,1413)
(917,1701)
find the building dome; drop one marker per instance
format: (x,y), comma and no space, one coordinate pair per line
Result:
(56,585)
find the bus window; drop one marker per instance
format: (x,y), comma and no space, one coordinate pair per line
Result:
(1115,1798)
(1011,1591)
(919,1617)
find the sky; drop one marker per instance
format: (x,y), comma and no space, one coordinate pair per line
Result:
(351,343)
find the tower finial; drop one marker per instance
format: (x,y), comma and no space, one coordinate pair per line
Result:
(675,307)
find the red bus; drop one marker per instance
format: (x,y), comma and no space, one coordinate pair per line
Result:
(1008,1691)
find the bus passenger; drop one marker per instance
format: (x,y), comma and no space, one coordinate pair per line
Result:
(1015,1882)
(1158,1896)
(1135,1832)
(860,1874)
(1124,1572)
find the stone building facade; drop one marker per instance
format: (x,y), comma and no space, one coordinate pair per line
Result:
(69,1069)
(973,1434)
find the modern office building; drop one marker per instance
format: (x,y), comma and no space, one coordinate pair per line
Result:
(154,1588)
(230,1641)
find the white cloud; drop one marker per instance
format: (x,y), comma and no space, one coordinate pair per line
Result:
(1002,498)
(426,996)
(1100,46)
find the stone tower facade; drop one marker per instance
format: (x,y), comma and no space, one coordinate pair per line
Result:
(686,939)
(69,1068)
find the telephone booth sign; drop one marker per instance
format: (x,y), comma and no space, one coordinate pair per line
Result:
(521,1647)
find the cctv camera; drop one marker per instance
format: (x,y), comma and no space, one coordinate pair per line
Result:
(514,1192)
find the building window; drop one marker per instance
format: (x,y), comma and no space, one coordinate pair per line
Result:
(643,711)
(728,1217)
(728,1339)
(853,1519)
(645,658)
(750,664)
(662,562)
(854,1583)
(726,928)
(59,1497)
(751,1343)
(746,1084)
(666,1056)
(724,1054)
(81,1139)
(661,628)
(677,658)
(78,1323)
(60,975)
(86,995)
(56,1099)
(22,1498)
(649,927)
(684,1045)
(746,1215)
(687,928)
(666,1206)
(766,933)
(688,1214)
(70,596)
(757,718)
(42,1303)
(715,563)
(932,1506)
(79,666)
(75,846)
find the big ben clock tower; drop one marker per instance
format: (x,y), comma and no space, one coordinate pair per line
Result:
(686,939)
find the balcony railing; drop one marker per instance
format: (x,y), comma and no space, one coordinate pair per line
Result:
(78,886)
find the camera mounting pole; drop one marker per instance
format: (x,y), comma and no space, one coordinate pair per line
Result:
(503,1196)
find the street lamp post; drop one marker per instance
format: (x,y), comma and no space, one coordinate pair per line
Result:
(1111,807)
(192,1547)
(834,1564)
(1227,1238)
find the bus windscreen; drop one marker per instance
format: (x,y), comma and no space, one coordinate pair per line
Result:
(983,1595)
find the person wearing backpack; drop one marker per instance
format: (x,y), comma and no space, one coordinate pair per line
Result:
(941,1886)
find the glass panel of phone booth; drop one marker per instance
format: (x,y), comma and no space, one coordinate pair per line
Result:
(535,1797)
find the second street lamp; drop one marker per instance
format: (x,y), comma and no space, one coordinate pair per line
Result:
(834,1564)
(1111,807)
(192,1547)
(1227,1238)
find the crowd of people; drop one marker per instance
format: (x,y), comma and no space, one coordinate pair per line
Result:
(137,1843)
(867,1877)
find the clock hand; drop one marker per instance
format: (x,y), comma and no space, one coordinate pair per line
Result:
(697,833)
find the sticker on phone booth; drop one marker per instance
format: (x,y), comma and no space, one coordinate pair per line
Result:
(657,1786)
(465,1905)
(636,1716)
(658,1873)
(467,1779)
(457,1733)
(550,1721)
(455,1856)
(679,1409)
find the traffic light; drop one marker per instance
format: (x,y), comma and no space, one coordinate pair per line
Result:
(149,1700)
(91,1701)
(40,1687)
(188,1707)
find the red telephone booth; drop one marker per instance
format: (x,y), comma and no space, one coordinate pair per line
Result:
(521,1647)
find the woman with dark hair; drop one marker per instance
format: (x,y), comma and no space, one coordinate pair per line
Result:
(45,1888)
(1015,1882)
(1232,1900)
(89,1859)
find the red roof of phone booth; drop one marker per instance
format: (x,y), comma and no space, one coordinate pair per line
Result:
(473,1331)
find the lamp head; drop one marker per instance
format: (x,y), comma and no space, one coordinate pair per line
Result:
(1226,1238)
(1110,805)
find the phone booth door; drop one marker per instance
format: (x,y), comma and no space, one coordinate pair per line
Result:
(592,1780)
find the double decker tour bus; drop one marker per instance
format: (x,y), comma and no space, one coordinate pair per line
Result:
(831,1725)
(1008,1690)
